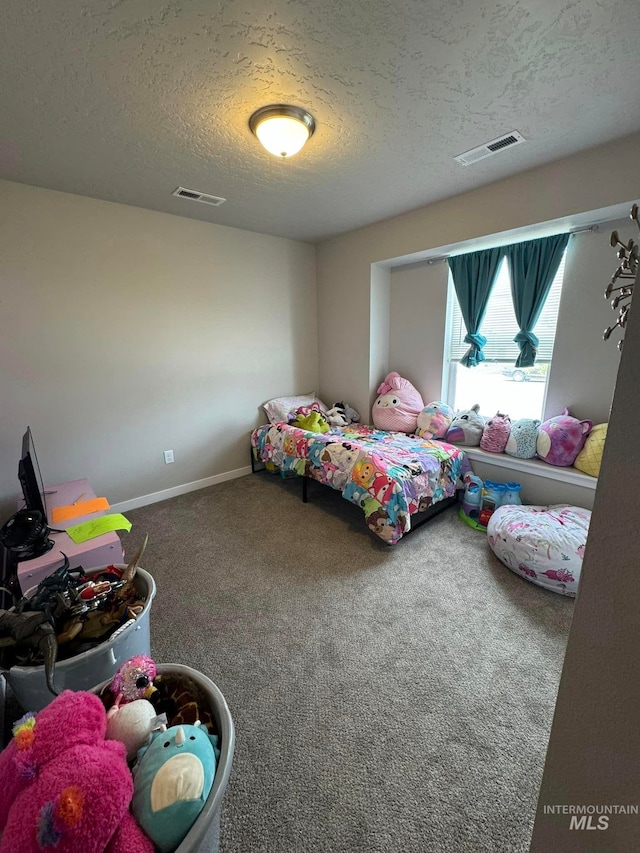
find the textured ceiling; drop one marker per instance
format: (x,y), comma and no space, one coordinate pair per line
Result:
(125,100)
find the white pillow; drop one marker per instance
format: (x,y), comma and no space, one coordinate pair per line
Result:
(278,408)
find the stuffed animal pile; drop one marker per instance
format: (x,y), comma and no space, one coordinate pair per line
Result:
(341,414)
(558,441)
(66,783)
(64,787)
(313,419)
(310,418)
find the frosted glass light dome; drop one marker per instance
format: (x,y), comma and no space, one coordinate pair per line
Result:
(282,129)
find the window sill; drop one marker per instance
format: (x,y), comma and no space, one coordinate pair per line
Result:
(532,466)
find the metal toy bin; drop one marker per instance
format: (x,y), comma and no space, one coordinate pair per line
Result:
(82,671)
(204,835)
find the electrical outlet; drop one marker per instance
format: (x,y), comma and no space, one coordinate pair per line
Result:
(168,457)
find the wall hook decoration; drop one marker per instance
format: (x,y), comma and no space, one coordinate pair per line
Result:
(623,279)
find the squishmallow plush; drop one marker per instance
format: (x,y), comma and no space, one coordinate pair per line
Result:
(496,433)
(313,422)
(434,420)
(522,438)
(172,780)
(560,439)
(398,405)
(466,427)
(590,457)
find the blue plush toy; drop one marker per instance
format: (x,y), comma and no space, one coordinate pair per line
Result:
(172,780)
(522,438)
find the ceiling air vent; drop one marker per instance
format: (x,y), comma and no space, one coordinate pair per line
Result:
(194,195)
(493,147)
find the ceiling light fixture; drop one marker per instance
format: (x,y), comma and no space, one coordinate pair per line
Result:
(282,129)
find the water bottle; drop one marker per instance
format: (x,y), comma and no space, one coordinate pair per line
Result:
(512,493)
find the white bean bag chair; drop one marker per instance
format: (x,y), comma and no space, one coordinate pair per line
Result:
(544,544)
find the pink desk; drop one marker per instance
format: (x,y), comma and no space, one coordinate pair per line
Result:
(100,551)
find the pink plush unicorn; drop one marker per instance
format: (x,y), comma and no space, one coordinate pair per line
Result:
(398,405)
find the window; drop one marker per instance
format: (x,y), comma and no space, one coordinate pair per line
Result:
(496,384)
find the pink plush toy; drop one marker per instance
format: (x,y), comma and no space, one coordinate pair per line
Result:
(495,434)
(398,405)
(64,787)
(560,439)
(133,680)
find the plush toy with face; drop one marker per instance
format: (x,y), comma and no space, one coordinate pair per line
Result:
(133,679)
(522,438)
(398,405)
(313,422)
(336,417)
(172,780)
(466,427)
(496,433)
(348,411)
(560,439)
(434,420)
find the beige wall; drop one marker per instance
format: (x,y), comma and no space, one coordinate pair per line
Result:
(380,329)
(417,323)
(584,368)
(589,181)
(125,332)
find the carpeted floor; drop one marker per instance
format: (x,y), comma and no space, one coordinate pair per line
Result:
(385,698)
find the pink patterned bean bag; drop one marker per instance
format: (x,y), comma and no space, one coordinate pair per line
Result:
(544,544)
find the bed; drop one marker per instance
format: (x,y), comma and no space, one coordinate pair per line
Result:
(396,479)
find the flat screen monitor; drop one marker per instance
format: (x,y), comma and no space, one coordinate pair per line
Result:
(30,476)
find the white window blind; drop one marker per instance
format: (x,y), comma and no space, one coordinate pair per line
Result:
(499,325)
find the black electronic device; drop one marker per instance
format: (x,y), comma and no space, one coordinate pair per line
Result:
(9,585)
(30,477)
(26,534)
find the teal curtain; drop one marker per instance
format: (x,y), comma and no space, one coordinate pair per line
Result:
(532,266)
(474,275)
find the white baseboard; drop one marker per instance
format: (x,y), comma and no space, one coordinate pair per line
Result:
(165,494)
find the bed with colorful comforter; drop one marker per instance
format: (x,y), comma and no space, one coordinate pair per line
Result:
(390,475)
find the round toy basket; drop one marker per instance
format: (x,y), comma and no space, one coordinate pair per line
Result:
(204,835)
(82,671)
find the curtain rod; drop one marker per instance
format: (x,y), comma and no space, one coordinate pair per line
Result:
(572,233)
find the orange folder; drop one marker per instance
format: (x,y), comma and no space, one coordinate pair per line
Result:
(64,513)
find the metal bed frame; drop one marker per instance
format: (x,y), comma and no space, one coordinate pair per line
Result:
(417,519)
